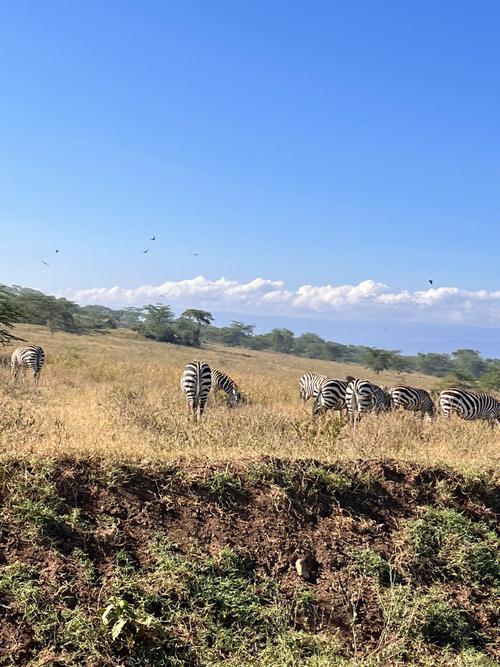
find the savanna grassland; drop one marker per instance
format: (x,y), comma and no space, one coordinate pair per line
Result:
(130,536)
(118,396)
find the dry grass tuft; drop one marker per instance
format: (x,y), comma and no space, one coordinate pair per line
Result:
(118,396)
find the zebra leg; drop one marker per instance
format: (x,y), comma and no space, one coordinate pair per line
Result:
(14,370)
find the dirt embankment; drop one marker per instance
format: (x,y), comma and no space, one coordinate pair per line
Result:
(379,561)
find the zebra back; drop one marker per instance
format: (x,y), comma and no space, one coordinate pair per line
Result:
(28,356)
(364,396)
(469,405)
(411,398)
(331,395)
(196,381)
(222,382)
(309,385)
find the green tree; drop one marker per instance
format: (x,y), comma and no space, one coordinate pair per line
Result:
(158,323)
(9,316)
(469,363)
(237,334)
(282,340)
(130,317)
(378,360)
(310,345)
(491,378)
(433,363)
(334,351)
(186,332)
(400,364)
(201,319)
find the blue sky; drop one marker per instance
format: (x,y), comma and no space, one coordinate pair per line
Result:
(324,144)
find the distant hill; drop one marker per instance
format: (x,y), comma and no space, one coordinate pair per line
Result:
(409,337)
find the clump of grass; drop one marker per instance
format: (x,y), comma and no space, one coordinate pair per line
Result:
(224,486)
(69,631)
(33,502)
(189,607)
(448,545)
(445,625)
(307,480)
(372,564)
(305,600)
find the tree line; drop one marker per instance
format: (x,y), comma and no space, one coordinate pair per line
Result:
(195,327)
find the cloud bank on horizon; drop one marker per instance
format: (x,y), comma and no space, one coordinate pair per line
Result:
(367,299)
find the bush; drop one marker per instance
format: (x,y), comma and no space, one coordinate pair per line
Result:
(446,544)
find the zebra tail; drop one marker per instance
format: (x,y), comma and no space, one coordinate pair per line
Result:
(354,408)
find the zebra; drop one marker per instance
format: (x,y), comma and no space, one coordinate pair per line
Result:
(364,396)
(309,384)
(25,357)
(330,395)
(222,382)
(196,381)
(410,398)
(469,405)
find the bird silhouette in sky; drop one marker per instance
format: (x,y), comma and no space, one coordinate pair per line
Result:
(153,238)
(46,263)
(57,251)
(431,282)
(195,254)
(145,251)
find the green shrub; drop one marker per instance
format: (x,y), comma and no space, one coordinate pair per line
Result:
(448,545)
(373,564)
(445,625)
(224,486)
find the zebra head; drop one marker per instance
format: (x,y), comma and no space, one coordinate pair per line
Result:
(235,397)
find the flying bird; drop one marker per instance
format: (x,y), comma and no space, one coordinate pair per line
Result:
(46,263)
(153,238)
(431,282)
(145,251)
(57,251)
(195,254)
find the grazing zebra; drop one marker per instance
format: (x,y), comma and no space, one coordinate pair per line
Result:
(409,398)
(309,384)
(196,381)
(330,396)
(25,357)
(468,405)
(364,396)
(222,382)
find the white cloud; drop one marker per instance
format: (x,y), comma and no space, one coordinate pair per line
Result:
(366,299)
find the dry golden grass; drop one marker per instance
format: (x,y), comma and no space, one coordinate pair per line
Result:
(118,396)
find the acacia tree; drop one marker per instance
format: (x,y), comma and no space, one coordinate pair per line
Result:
(200,318)
(9,315)
(378,360)
(158,323)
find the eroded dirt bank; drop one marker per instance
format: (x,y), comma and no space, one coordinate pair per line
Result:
(269,562)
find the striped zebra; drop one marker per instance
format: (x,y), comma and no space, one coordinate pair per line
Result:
(364,396)
(469,405)
(309,384)
(26,357)
(330,395)
(410,398)
(196,381)
(222,382)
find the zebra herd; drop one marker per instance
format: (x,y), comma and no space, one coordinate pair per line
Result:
(356,396)
(351,396)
